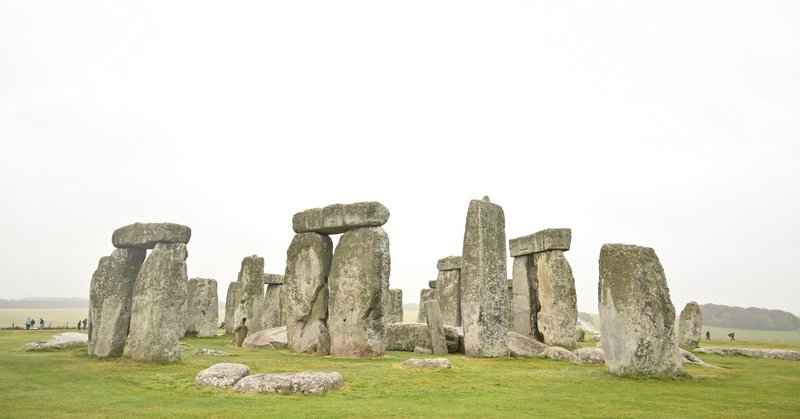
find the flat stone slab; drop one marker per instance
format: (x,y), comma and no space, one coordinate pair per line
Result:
(222,375)
(210,352)
(339,218)
(427,363)
(60,341)
(557,352)
(147,235)
(273,279)
(274,338)
(541,241)
(588,356)
(306,382)
(521,345)
(449,263)
(783,354)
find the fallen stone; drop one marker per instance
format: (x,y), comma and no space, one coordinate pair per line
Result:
(60,341)
(557,352)
(435,363)
(273,279)
(588,356)
(210,352)
(521,345)
(339,218)
(202,306)
(222,375)
(449,263)
(558,302)
(147,235)
(394,313)
(782,354)
(690,325)
(306,382)
(550,239)
(690,358)
(448,293)
(274,338)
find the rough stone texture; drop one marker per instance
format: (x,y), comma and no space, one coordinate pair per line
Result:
(484,287)
(558,303)
(587,327)
(509,304)
(782,354)
(274,338)
(306,382)
(449,263)
(394,313)
(436,328)
(448,293)
(202,308)
(427,363)
(690,325)
(424,295)
(588,356)
(525,299)
(210,352)
(273,306)
(521,345)
(580,335)
(359,289)
(407,336)
(689,358)
(432,284)
(222,375)
(557,352)
(305,293)
(636,314)
(251,294)
(110,299)
(147,235)
(542,241)
(159,298)
(231,304)
(273,279)
(60,341)
(340,218)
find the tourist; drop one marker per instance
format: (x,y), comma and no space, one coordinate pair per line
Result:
(84,323)
(731,335)
(708,335)
(41,323)
(79,325)
(28,323)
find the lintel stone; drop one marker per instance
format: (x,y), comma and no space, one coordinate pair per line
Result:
(449,263)
(147,235)
(541,241)
(339,218)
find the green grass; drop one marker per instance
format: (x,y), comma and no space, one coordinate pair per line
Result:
(69,383)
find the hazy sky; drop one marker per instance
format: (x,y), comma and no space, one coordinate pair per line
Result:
(673,125)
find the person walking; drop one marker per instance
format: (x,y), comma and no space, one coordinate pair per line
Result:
(708,335)
(41,323)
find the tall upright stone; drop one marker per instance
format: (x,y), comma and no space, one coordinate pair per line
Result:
(558,303)
(484,288)
(448,289)
(202,305)
(251,294)
(273,306)
(637,317)
(305,289)
(436,328)
(159,296)
(525,297)
(424,295)
(359,289)
(110,299)
(231,304)
(690,325)
(395,310)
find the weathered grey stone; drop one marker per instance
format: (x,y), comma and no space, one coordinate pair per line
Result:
(521,345)
(636,314)
(432,284)
(210,352)
(448,293)
(782,354)
(306,382)
(305,293)
(558,303)
(435,363)
(436,328)
(690,358)
(424,295)
(525,299)
(273,279)
(484,286)
(60,341)
(359,289)
(147,235)
(231,304)
(202,308)
(690,325)
(587,327)
(222,375)
(588,356)
(449,263)
(580,335)
(110,298)
(422,350)
(407,336)
(274,338)
(509,305)
(251,294)
(394,313)
(541,241)
(159,298)
(339,218)
(273,306)
(557,352)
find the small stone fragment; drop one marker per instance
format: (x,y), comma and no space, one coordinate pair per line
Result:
(306,382)
(435,363)
(210,352)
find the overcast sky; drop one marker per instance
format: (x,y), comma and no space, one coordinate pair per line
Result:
(673,125)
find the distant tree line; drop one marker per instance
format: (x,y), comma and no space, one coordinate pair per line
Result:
(45,303)
(749,318)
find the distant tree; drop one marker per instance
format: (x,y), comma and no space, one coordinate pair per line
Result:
(748,318)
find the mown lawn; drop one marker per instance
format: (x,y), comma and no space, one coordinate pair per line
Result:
(69,383)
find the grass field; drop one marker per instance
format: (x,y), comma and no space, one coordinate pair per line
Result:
(69,383)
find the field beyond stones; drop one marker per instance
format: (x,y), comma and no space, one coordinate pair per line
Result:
(58,383)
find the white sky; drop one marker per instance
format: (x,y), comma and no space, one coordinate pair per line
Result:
(674,125)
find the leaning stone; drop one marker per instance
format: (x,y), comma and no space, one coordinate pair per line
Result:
(231,304)
(306,382)
(359,289)
(690,358)
(436,328)
(305,293)
(424,295)
(273,306)
(394,313)
(558,302)
(222,375)
(557,352)
(525,298)
(202,308)
(159,297)
(110,299)
(210,352)
(60,341)
(484,287)
(521,345)
(782,354)
(449,263)
(274,338)
(542,241)
(432,284)
(636,314)
(448,293)
(273,279)
(147,235)
(251,294)
(339,218)
(435,363)
(690,325)
(588,356)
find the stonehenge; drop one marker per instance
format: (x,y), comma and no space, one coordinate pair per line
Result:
(448,289)
(251,294)
(690,325)
(424,295)
(202,310)
(273,301)
(394,311)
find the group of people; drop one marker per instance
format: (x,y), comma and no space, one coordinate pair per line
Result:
(31,324)
(82,322)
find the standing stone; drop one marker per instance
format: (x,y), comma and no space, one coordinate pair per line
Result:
(395,310)
(273,306)
(231,304)
(339,218)
(509,299)
(436,328)
(308,264)
(448,290)
(251,294)
(558,311)
(690,325)
(359,288)
(202,306)
(636,314)
(110,297)
(159,295)
(484,288)
(147,235)
(525,297)
(424,295)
